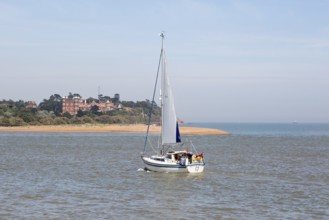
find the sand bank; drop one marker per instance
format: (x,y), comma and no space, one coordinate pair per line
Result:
(135,128)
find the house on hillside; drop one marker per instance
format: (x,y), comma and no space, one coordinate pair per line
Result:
(73,105)
(31,104)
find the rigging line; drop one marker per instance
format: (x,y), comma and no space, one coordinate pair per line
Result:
(193,147)
(155,86)
(150,143)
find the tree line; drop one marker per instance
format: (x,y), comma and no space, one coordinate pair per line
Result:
(49,112)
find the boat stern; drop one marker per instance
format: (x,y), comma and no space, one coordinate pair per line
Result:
(195,167)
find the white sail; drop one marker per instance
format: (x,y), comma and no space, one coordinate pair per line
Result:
(169,119)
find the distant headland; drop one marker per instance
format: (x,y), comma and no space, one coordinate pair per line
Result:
(74,110)
(72,113)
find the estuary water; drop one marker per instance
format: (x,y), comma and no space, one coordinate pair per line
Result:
(261,171)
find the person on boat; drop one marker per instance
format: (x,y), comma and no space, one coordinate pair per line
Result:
(199,157)
(194,158)
(183,160)
(189,157)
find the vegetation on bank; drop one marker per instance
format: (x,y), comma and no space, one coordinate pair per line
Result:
(49,112)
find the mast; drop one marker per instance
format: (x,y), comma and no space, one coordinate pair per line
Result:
(154,91)
(162,39)
(169,126)
(162,87)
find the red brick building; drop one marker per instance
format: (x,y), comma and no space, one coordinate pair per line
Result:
(75,104)
(71,105)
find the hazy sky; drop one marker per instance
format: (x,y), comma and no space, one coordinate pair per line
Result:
(229,60)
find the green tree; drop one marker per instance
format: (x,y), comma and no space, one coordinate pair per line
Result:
(116,99)
(16,121)
(20,104)
(59,121)
(90,100)
(27,116)
(129,104)
(67,115)
(4,122)
(87,119)
(71,96)
(95,110)
(46,121)
(80,113)
(54,103)
(103,119)
(76,120)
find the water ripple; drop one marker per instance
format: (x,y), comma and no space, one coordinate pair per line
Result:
(97,176)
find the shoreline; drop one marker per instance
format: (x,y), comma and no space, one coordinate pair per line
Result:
(115,128)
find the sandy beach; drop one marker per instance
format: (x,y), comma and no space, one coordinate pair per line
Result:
(135,128)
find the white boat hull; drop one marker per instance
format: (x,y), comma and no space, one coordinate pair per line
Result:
(166,167)
(158,166)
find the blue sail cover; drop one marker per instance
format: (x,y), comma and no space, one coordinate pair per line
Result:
(178,139)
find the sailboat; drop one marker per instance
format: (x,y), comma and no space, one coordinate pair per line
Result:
(171,155)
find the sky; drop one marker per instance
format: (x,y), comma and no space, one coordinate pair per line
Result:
(228,60)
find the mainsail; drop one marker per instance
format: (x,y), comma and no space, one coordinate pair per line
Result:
(170,130)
